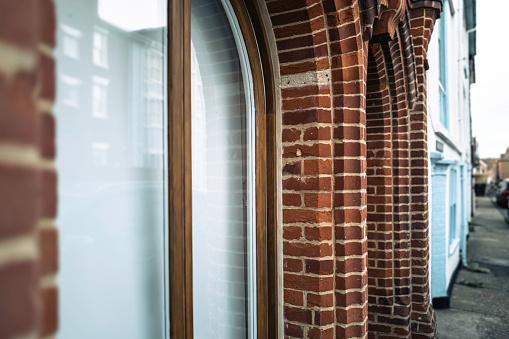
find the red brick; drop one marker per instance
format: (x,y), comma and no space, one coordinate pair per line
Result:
(292,200)
(18,309)
(321,333)
(323,318)
(306,116)
(317,166)
(19,22)
(345,299)
(294,331)
(282,6)
(47,136)
(308,283)
(49,194)
(292,265)
(18,113)
(298,315)
(48,247)
(318,233)
(291,216)
(19,200)
(349,233)
(352,315)
(306,66)
(296,16)
(49,312)
(306,249)
(352,281)
(307,184)
(350,215)
(302,91)
(292,232)
(295,298)
(291,135)
(320,300)
(350,265)
(47,77)
(292,168)
(299,29)
(321,267)
(304,54)
(322,200)
(47,22)
(317,133)
(316,150)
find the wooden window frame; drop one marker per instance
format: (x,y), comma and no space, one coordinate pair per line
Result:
(179,167)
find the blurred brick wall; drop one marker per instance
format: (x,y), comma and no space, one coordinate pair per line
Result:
(28,237)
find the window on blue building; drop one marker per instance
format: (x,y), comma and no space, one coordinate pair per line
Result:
(453,203)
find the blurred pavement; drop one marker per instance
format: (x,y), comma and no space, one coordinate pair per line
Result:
(480,296)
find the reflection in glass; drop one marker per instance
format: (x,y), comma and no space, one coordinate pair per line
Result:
(111,143)
(100,47)
(99,97)
(69,90)
(224,287)
(70,41)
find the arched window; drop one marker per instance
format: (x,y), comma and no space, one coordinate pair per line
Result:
(218,223)
(162,171)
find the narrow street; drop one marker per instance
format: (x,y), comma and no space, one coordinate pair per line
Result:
(480,297)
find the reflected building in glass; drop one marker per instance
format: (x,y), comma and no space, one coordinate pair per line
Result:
(99,66)
(111,138)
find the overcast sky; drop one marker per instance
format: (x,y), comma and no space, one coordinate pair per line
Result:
(490,93)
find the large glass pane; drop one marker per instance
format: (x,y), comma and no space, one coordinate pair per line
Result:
(111,163)
(223,180)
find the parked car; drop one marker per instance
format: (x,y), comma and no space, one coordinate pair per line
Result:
(503,193)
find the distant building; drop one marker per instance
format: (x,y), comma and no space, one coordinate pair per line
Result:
(490,170)
(451,59)
(502,171)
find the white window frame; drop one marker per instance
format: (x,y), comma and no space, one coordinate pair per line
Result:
(71,88)
(100,47)
(100,102)
(71,41)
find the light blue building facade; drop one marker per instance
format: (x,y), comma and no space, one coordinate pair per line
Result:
(450,188)
(451,57)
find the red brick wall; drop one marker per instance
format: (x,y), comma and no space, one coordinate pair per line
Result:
(28,237)
(355,222)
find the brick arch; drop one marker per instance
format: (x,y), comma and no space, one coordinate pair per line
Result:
(379,118)
(332,63)
(300,39)
(391,94)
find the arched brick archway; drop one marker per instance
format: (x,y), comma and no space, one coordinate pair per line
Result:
(355,225)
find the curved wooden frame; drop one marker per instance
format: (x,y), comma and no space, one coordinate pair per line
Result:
(179,163)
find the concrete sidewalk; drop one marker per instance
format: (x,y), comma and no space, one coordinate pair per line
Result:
(480,296)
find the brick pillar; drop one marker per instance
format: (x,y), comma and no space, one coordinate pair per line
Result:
(348,73)
(308,265)
(422,315)
(28,237)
